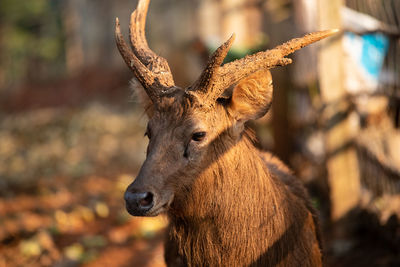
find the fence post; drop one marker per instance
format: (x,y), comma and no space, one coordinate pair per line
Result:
(340,128)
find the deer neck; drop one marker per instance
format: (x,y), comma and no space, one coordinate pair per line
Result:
(233,200)
(237,183)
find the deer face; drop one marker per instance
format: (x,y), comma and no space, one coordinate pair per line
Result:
(185,124)
(179,136)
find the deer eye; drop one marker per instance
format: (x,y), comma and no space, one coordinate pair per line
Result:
(198,136)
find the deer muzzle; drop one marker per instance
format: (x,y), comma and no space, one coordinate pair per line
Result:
(139,203)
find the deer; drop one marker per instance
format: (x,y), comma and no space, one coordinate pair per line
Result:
(227,202)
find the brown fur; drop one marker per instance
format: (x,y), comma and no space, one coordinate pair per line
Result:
(245,208)
(248,216)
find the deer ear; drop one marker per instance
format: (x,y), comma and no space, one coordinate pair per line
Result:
(140,93)
(252,96)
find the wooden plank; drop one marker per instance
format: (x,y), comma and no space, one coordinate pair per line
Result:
(342,164)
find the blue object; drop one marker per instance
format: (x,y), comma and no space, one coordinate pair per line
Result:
(374,48)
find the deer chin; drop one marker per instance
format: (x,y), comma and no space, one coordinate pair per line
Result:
(156,211)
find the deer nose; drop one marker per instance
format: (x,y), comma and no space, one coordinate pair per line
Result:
(137,204)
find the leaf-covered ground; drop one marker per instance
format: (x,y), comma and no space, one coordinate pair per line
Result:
(63,173)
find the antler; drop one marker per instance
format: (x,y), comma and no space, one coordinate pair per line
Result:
(230,73)
(204,84)
(151,70)
(154,74)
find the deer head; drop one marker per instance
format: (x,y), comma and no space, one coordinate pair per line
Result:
(187,126)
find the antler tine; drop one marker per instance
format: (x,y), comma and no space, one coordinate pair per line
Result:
(206,79)
(234,71)
(137,31)
(158,65)
(145,77)
(298,43)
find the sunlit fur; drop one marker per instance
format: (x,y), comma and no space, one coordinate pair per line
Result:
(240,213)
(232,204)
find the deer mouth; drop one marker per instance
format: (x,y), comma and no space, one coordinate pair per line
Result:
(159,208)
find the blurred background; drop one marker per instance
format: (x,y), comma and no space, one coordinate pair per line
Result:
(71,133)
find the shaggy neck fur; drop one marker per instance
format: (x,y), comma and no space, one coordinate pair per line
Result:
(238,213)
